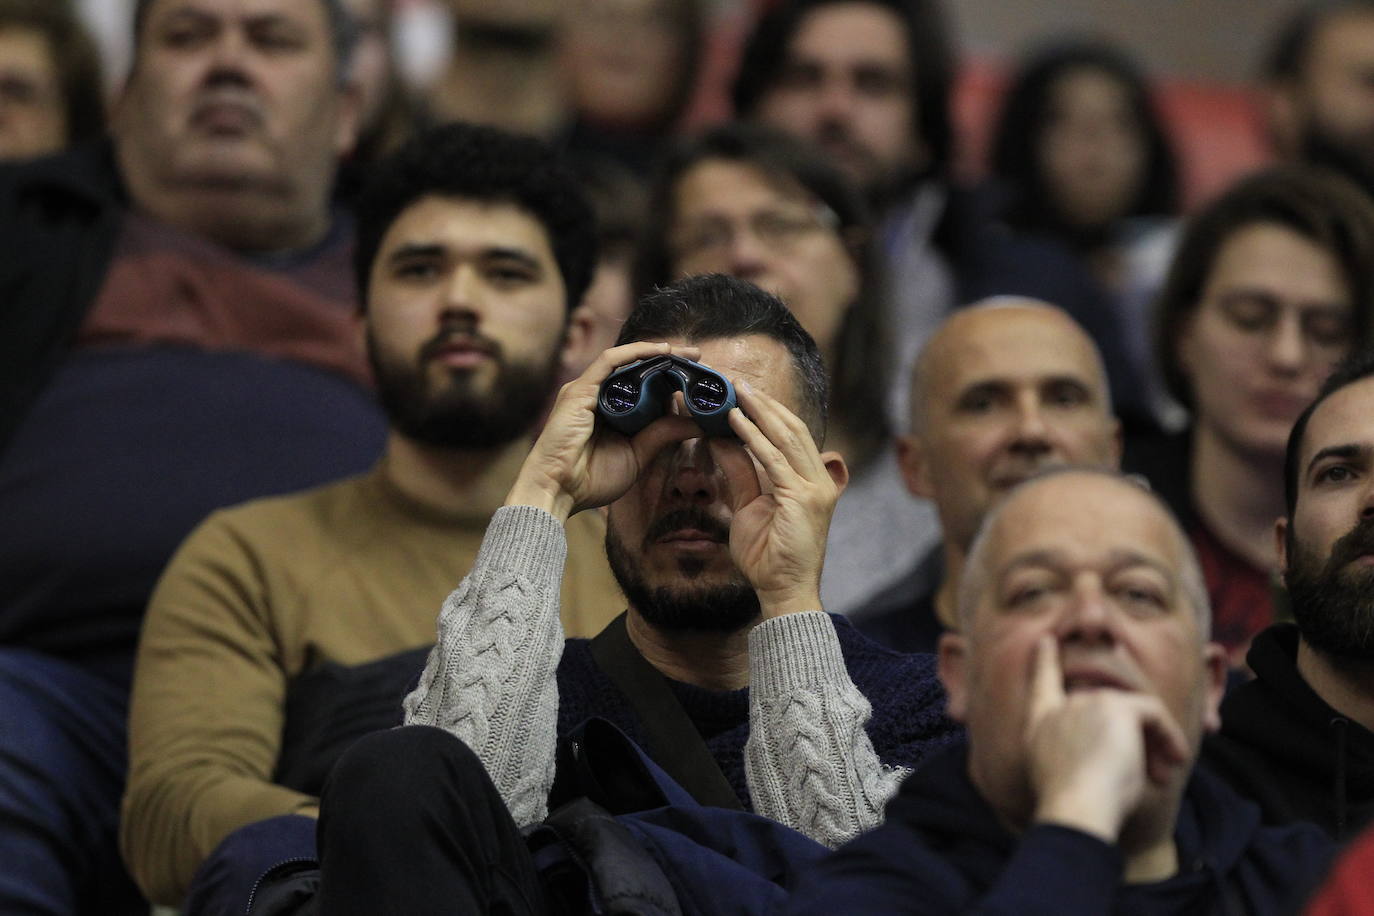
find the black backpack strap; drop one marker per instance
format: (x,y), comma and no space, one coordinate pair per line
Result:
(674,742)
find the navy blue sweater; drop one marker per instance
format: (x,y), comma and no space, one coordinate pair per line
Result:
(908,720)
(942,850)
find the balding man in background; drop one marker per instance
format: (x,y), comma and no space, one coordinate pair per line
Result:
(1002,390)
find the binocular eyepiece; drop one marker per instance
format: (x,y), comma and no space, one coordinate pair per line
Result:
(634,396)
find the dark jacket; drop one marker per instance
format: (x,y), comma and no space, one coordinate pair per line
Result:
(59,219)
(902,616)
(943,850)
(1288,750)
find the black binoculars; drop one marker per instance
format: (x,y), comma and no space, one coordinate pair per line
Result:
(634,396)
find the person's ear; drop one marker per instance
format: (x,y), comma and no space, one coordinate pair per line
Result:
(837,469)
(1216,668)
(911,459)
(348,117)
(574,357)
(952,658)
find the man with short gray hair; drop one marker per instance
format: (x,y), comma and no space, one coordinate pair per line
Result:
(177,334)
(1085,679)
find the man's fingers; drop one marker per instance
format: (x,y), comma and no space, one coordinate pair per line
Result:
(1047,679)
(784,429)
(1166,746)
(772,460)
(612,359)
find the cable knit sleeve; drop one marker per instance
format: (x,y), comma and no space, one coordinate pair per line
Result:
(809,762)
(491,677)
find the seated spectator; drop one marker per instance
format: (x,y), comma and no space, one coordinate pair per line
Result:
(868,82)
(1268,290)
(631,69)
(1080,155)
(794,715)
(50,80)
(1084,677)
(502,68)
(1320,109)
(1299,738)
(1002,390)
(177,333)
(753,203)
(286,628)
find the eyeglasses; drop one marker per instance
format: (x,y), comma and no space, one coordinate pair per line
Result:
(779,231)
(1325,326)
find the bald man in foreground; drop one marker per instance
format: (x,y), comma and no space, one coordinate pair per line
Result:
(1003,389)
(1085,679)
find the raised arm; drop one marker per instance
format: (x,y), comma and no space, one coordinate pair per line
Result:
(809,762)
(491,677)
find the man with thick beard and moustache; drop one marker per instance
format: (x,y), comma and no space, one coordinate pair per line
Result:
(1320,109)
(718,544)
(286,627)
(1299,738)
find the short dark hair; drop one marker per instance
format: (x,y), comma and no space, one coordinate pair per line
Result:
(75,58)
(487,165)
(341,31)
(715,306)
(928,50)
(1288,54)
(860,370)
(1322,207)
(1020,130)
(1358,366)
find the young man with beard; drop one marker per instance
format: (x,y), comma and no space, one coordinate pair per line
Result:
(1299,738)
(718,545)
(285,628)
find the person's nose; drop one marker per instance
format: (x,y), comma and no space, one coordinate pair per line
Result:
(749,254)
(694,477)
(1032,432)
(1285,347)
(462,294)
(228,58)
(1087,616)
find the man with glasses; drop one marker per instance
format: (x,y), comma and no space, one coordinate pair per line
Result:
(757,204)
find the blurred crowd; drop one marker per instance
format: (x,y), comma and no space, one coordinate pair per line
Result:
(285,307)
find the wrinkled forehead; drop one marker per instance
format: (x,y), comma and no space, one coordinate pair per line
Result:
(1341,425)
(1082,518)
(1011,344)
(312,13)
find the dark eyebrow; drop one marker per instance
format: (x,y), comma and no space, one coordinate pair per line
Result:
(1350,450)
(435,250)
(417,250)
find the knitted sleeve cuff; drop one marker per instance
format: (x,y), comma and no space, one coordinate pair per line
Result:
(526,541)
(794,652)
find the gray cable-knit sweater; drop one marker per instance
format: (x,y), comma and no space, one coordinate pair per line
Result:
(809,761)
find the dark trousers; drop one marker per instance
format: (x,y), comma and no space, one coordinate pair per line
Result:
(63,760)
(411,824)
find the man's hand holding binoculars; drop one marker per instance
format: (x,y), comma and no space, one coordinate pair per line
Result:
(575,464)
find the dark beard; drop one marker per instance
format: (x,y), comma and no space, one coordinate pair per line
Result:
(459,417)
(1352,159)
(683,608)
(1333,603)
